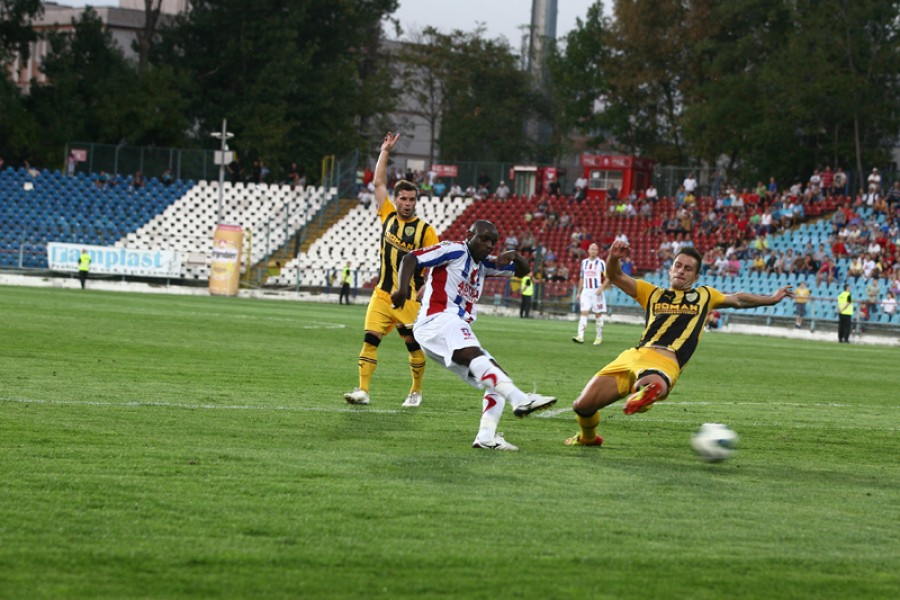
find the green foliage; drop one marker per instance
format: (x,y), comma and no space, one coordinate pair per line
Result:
(479,91)
(16,32)
(578,72)
(156,446)
(291,77)
(777,87)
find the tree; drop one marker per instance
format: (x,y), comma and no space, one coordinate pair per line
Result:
(577,68)
(83,68)
(775,87)
(16,32)
(93,94)
(481,95)
(146,35)
(296,79)
(421,70)
(790,86)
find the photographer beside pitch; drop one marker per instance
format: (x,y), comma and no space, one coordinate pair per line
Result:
(675,317)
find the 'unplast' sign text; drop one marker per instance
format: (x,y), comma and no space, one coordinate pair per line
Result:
(115,261)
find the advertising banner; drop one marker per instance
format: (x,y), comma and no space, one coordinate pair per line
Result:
(108,260)
(445,170)
(225,265)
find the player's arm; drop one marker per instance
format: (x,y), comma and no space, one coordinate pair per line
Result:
(408,267)
(745,300)
(380,177)
(511,256)
(617,277)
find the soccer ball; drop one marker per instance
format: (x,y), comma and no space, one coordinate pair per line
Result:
(714,442)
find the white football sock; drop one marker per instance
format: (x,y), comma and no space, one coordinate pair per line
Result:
(582,325)
(494,379)
(599,326)
(490,416)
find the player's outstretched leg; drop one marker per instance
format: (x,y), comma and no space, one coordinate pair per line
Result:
(488,438)
(588,435)
(495,379)
(642,400)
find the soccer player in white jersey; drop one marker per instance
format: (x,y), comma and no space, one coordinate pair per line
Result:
(443,327)
(591,284)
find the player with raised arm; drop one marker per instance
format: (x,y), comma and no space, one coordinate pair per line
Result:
(673,325)
(401,233)
(444,324)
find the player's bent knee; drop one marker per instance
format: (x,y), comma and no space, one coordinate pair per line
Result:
(653,378)
(371,338)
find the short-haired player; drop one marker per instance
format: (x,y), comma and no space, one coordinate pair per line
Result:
(592,282)
(674,323)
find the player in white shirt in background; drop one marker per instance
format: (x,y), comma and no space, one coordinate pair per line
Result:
(591,283)
(443,327)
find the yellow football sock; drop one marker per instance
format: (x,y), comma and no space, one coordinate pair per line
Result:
(588,425)
(417,368)
(368,360)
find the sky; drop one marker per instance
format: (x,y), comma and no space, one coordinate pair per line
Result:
(500,17)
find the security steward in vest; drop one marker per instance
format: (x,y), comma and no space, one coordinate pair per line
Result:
(345,285)
(845,314)
(527,288)
(84,266)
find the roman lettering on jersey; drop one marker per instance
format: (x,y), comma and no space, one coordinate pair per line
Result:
(666,308)
(398,243)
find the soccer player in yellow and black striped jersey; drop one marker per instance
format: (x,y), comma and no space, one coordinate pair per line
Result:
(674,320)
(401,232)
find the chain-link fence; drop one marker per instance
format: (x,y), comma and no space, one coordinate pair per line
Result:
(185,164)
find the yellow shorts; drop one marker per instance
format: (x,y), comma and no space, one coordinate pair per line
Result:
(381,317)
(634,363)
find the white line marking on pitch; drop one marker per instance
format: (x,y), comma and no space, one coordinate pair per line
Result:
(203,406)
(547,414)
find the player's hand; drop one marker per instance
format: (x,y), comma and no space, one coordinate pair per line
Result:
(398,299)
(505,258)
(783,292)
(619,249)
(419,293)
(389,140)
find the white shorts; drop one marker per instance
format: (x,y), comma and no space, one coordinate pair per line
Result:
(592,302)
(441,335)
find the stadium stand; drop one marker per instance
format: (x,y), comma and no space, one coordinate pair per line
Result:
(273,213)
(355,238)
(91,209)
(44,206)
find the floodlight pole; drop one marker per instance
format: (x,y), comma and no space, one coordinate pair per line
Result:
(223,136)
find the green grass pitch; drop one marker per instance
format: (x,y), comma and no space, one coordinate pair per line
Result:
(156,446)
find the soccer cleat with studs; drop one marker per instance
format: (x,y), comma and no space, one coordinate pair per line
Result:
(414,399)
(576,440)
(598,341)
(641,400)
(533,402)
(578,340)
(498,443)
(357,396)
